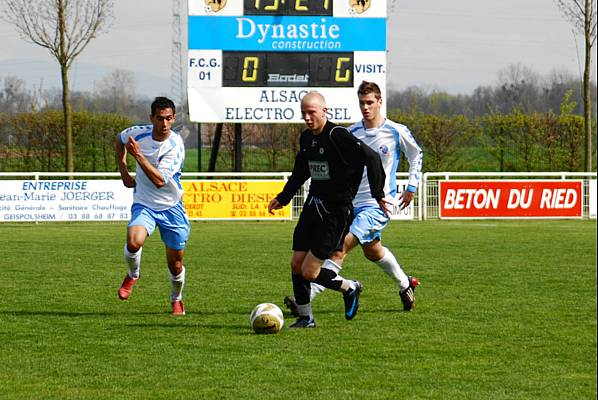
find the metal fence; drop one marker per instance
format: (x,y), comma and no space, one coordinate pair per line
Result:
(426,203)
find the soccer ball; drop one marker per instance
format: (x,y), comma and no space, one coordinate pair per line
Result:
(266,318)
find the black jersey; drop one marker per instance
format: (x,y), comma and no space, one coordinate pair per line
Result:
(334,160)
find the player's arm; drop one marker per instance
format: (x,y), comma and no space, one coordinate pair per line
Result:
(414,156)
(299,175)
(375,171)
(376,176)
(151,172)
(172,161)
(121,160)
(356,152)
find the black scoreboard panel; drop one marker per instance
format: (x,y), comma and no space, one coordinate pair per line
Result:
(248,68)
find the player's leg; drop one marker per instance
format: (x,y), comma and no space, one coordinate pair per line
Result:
(174,232)
(349,244)
(177,271)
(136,236)
(328,237)
(312,272)
(140,226)
(368,228)
(317,234)
(328,233)
(300,299)
(383,257)
(301,289)
(335,262)
(316,288)
(292,302)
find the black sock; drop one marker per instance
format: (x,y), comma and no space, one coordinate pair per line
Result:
(328,279)
(301,289)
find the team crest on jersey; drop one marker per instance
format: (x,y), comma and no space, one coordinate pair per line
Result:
(213,6)
(384,150)
(359,6)
(319,170)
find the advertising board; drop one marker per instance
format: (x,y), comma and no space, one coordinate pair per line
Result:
(511,199)
(252,61)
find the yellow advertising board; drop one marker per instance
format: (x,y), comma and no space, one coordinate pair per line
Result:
(232,199)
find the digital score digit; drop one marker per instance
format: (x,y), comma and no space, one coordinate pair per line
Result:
(288,7)
(240,69)
(331,69)
(243,69)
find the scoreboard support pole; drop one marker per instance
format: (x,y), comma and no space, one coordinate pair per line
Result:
(199,147)
(237,148)
(215,147)
(238,167)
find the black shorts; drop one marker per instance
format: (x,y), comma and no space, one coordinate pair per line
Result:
(322,227)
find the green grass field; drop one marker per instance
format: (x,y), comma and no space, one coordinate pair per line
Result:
(506,310)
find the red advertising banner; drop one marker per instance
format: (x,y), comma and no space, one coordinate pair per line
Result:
(511,199)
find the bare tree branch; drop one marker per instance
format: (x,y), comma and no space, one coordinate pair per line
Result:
(65,28)
(582,14)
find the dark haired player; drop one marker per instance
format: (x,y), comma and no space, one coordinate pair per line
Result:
(159,153)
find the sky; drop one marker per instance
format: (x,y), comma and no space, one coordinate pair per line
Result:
(453,46)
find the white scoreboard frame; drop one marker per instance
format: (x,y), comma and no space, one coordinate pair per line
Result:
(227,29)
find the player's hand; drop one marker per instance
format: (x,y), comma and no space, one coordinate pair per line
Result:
(274,205)
(128,180)
(386,206)
(405,199)
(133,147)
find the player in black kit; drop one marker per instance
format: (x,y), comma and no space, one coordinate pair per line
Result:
(334,160)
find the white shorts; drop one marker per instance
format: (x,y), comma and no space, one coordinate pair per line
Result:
(368,223)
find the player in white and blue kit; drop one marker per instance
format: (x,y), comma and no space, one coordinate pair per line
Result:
(389,139)
(159,153)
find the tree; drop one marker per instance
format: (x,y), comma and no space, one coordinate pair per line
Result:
(519,88)
(13,95)
(65,28)
(582,14)
(118,90)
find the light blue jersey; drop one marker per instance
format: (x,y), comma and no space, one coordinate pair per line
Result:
(168,157)
(388,140)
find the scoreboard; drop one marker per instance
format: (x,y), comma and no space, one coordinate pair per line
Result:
(241,69)
(253,60)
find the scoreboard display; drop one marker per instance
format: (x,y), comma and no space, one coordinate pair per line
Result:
(253,60)
(287,69)
(290,7)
